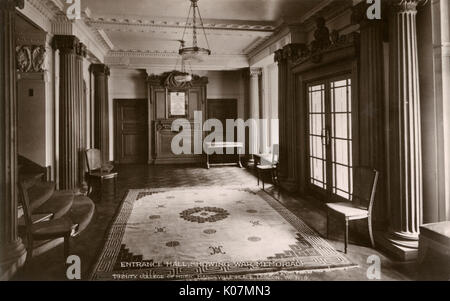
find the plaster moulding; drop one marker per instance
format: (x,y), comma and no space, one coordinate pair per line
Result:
(297,29)
(168,61)
(102,21)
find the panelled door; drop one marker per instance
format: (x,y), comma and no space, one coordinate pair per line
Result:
(330,138)
(131,131)
(223,109)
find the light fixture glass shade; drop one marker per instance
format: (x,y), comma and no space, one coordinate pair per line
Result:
(194,54)
(183,78)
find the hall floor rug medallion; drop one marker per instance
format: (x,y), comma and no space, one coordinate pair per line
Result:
(210,233)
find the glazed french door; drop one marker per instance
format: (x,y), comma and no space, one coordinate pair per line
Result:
(330,138)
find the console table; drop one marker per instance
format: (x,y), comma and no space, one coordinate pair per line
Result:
(213,146)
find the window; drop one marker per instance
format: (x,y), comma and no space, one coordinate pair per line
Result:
(330,137)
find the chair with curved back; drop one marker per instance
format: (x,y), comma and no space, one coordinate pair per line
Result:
(44,230)
(361,206)
(98,170)
(269,167)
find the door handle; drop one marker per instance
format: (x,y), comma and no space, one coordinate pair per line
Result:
(326,136)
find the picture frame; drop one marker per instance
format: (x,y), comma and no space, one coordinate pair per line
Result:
(177,104)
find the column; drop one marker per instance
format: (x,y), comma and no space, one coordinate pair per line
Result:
(101,109)
(12,250)
(287,115)
(405,130)
(70,96)
(82,121)
(372,151)
(282,87)
(255,73)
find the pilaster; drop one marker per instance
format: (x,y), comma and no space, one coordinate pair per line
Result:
(12,250)
(101,74)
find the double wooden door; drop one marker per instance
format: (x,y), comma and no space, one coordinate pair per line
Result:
(131,138)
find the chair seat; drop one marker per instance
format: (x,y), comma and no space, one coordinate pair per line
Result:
(266,167)
(348,210)
(52,229)
(103,175)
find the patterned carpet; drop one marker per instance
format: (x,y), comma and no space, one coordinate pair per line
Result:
(212,233)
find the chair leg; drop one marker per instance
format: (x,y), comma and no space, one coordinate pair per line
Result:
(29,250)
(66,247)
(257,175)
(346,236)
(372,241)
(115,187)
(89,182)
(328,224)
(101,189)
(262,179)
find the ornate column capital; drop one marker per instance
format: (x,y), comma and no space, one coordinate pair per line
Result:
(12,4)
(290,52)
(69,44)
(255,72)
(278,56)
(65,43)
(407,5)
(81,50)
(99,69)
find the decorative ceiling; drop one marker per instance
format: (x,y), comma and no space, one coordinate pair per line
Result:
(152,28)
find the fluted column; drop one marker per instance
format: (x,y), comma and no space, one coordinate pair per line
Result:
(372,151)
(70,96)
(12,250)
(101,109)
(255,74)
(282,88)
(405,130)
(82,116)
(287,116)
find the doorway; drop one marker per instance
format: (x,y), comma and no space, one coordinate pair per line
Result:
(223,109)
(330,138)
(131,131)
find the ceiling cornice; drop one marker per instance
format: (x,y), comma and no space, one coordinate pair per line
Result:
(147,59)
(209,24)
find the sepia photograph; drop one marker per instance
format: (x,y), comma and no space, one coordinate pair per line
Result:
(224,141)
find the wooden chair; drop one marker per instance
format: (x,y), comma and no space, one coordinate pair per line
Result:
(362,203)
(44,230)
(271,167)
(98,170)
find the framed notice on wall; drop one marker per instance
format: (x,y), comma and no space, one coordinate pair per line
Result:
(177,104)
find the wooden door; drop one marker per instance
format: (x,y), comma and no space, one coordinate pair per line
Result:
(131,137)
(223,109)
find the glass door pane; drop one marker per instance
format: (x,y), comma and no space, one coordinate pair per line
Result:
(330,138)
(317,121)
(341,138)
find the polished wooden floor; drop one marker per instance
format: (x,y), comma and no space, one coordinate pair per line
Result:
(50,266)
